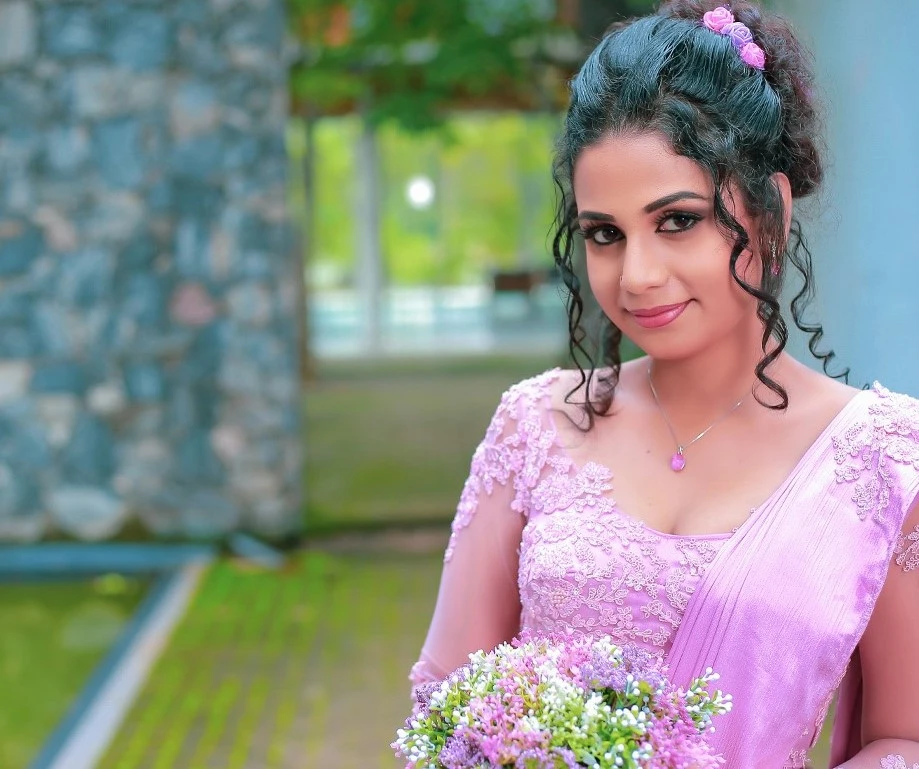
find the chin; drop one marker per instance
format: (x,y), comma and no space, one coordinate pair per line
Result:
(665,347)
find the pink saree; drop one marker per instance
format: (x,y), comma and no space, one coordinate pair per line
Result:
(777,607)
(781,609)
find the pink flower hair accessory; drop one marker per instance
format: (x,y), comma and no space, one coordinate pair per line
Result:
(718,19)
(722,21)
(753,56)
(739,33)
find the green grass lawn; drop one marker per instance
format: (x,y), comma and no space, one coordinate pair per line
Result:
(295,669)
(52,636)
(391,443)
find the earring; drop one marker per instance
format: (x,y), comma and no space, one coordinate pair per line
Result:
(776,267)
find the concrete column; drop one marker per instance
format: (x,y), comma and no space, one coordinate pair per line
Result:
(369,261)
(864,228)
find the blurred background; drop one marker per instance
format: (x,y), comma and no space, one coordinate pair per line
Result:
(265,270)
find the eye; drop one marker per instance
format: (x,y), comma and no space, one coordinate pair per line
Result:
(679,222)
(601,235)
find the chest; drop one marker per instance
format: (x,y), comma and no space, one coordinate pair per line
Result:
(727,475)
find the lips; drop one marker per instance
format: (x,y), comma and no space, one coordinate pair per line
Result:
(652,311)
(657,317)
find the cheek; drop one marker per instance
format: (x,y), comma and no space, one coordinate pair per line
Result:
(603,278)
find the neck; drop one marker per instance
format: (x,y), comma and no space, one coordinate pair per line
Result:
(712,381)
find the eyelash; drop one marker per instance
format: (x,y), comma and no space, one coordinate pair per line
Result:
(588,232)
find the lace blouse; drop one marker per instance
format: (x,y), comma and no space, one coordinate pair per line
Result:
(569,560)
(586,566)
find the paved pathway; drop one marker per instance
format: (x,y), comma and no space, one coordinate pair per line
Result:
(304,669)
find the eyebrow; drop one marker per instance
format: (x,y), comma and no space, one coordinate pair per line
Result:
(648,209)
(673,198)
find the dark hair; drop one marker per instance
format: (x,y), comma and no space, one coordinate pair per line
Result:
(668,73)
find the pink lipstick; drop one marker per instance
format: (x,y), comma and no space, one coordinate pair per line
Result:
(658,317)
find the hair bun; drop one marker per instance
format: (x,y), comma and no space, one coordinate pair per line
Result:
(789,72)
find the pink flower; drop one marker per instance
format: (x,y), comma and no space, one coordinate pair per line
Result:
(753,56)
(739,33)
(718,19)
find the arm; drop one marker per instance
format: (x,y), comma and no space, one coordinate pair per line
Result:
(889,653)
(478,604)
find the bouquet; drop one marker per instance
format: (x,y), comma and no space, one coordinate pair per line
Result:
(562,704)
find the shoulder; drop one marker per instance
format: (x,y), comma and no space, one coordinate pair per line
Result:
(874,412)
(878,451)
(521,407)
(534,389)
(516,445)
(895,422)
(815,396)
(890,422)
(566,391)
(895,413)
(557,390)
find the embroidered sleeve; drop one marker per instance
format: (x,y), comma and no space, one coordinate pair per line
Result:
(478,601)
(906,551)
(902,425)
(887,659)
(879,456)
(514,450)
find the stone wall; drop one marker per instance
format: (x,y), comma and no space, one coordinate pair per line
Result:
(148,302)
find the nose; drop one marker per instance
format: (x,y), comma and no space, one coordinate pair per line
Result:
(641,269)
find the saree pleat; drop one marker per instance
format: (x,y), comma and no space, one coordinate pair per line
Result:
(780,611)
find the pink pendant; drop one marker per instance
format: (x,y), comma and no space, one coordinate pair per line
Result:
(677,463)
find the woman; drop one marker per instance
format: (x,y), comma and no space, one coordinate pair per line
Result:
(715,502)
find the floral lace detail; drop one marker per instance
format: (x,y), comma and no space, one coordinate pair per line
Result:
(587,567)
(896,762)
(798,759)
(866,452)
(907,550)
(515,447)
(421,673)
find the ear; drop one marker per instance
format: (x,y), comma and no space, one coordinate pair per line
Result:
(781,182)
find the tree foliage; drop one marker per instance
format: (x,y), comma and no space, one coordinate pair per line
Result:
(410,60)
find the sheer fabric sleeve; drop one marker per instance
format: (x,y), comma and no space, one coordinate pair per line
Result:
(478,603)
(906,551)
(878,709)
(889,724)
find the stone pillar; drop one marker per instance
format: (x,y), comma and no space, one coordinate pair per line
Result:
(148,303)
(863,228)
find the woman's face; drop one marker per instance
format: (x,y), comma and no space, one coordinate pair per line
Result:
(656,260)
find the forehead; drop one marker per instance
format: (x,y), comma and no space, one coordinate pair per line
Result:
(630,170)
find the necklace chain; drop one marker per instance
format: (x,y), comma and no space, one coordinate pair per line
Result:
(677,462)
